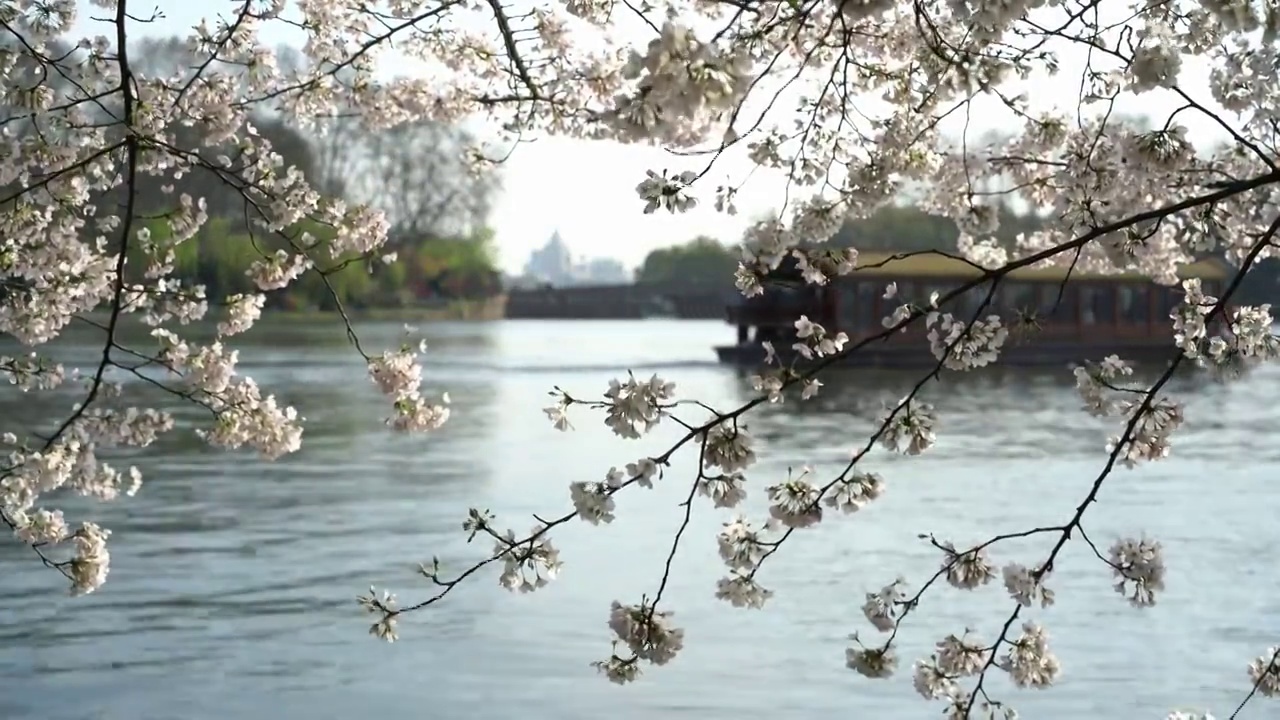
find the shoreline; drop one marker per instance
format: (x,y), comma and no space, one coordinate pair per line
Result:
(488,310)
(464,311)
(483,310)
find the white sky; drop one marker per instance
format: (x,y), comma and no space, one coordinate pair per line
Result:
(586,189)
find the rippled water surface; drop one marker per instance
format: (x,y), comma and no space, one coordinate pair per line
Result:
(231,594)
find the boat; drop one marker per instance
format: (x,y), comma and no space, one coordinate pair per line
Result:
(1057,316)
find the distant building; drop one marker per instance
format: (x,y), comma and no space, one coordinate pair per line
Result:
(602,271)
(553,264)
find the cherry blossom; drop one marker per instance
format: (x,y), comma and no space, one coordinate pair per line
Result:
(855,104)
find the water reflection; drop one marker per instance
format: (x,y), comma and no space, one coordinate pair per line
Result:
(324,503)
(994,411)
(233,579)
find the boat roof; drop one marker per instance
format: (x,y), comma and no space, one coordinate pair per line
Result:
(934,264)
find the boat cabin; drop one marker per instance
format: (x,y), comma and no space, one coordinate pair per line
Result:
(1068,319)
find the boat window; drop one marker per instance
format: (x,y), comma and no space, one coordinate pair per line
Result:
(968,304)
(1087,316)
(1133,304)
(1058,302)
(1018,298)
(866,315)
(1097,305)
(857,306)
(1168,299)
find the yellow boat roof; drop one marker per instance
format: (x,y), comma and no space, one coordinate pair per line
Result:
(932,264)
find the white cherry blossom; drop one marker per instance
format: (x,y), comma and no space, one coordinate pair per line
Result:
(85,130)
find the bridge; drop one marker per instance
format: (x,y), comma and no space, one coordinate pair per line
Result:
(631,301)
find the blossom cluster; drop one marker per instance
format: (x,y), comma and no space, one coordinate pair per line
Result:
(1124,198)
(85,128)
(399,375)
(846,101)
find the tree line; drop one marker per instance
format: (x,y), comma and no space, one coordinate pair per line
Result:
(897,228)
(438,203)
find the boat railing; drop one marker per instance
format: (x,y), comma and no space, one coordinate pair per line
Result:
(1136,332)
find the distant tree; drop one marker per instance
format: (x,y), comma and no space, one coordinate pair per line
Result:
(204,174)
(203,179)
(899,228)
(418,172)
(27,72)
(703,260)
(437,204)
(455,267)
(906,228)
(421,174)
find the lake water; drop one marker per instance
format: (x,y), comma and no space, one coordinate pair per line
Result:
(233,581)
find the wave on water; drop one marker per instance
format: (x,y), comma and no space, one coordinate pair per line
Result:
(552,367)
(272,372)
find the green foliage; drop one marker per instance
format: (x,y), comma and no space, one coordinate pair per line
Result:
(459,267)
(413,170)
(216,257)
(906,229)
(473,253)
(427,268)
(702,260)
(897,228)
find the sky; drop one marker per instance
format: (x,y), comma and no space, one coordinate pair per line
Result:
(586,189)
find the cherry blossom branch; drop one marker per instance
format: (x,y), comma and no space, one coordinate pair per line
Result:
(647,632)
(875,80)
(643,475)
(76,159)
(392,612)
(1126,438)
(1266,673)
(811,501)
(87,570)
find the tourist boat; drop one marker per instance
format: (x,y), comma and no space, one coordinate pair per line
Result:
(1080,317)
